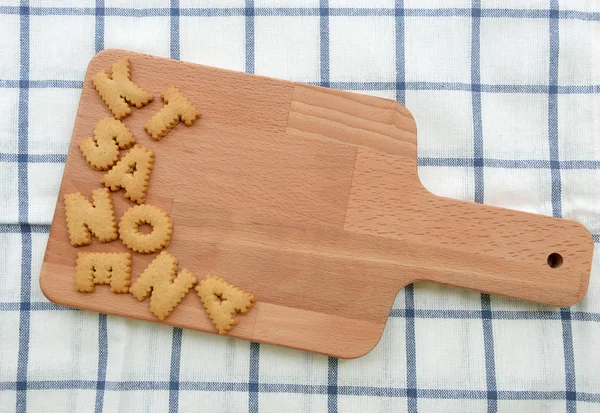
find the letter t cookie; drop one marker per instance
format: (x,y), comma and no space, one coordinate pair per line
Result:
(176,107)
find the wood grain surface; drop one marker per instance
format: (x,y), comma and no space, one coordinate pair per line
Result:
(309,199)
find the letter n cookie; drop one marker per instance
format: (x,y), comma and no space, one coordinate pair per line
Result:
(159,280)
(102,151)
(112,268)
(176,107)
(132,173)
(223,301)
(97,217)
(118,91)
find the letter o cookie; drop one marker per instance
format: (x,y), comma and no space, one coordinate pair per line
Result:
(162,228)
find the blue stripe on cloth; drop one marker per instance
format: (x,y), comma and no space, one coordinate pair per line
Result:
(488,343)
(175,369)
(254,362)
(400,58)
(578,15)
(324,42)
(367,86)
(570,380)
(24,320)
(399,313)
(42,84)
(102,318)
(99,36)
(423,161)
(332,363)
(102,362)
(497,315)
(175,47)
(439,394)
(27,158)
(476,103)
(177,332)
(249,13)
(23,194)
(508,163)
(19,228)
(35,306)
(556,195)
(411,349)
(332,385)
(479,196)
(409,301)
(253,378)
(306,11)
(553,114)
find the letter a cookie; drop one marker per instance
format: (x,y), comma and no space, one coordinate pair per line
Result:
(118,91)
(159,280)
(223,301)
(132,173)
(102,151)
(112,268)
(97,217)
(176,107)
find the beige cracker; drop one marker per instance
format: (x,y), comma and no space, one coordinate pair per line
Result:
(223,301)
(102,151)
(132,173)
(162,228)
(176,108)
(97,217)
(112,268)
(159,280)
(118,91)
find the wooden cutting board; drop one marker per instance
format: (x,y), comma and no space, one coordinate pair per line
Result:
(308,198)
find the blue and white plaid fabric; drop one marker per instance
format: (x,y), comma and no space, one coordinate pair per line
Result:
(506,94)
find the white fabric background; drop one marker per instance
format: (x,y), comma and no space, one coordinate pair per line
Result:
(535,72)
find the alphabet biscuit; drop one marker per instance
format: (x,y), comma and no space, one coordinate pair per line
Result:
(118,91)
(223,301)
(162,228)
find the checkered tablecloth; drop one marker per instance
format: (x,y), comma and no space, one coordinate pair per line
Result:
(506,95)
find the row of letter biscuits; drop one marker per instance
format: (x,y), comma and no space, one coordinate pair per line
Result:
(85,218)
(118,92)
(165,287)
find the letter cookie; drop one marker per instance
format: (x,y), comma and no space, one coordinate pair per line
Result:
(223,301)
(132,173)
(162,228)
(176,107)
(102,151)
(118,91)
(112,268)
(167,290)
(97,217)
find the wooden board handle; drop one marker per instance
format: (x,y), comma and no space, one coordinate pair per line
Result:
(527,256)
(481,247)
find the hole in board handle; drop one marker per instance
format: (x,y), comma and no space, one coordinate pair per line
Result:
(555,260)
